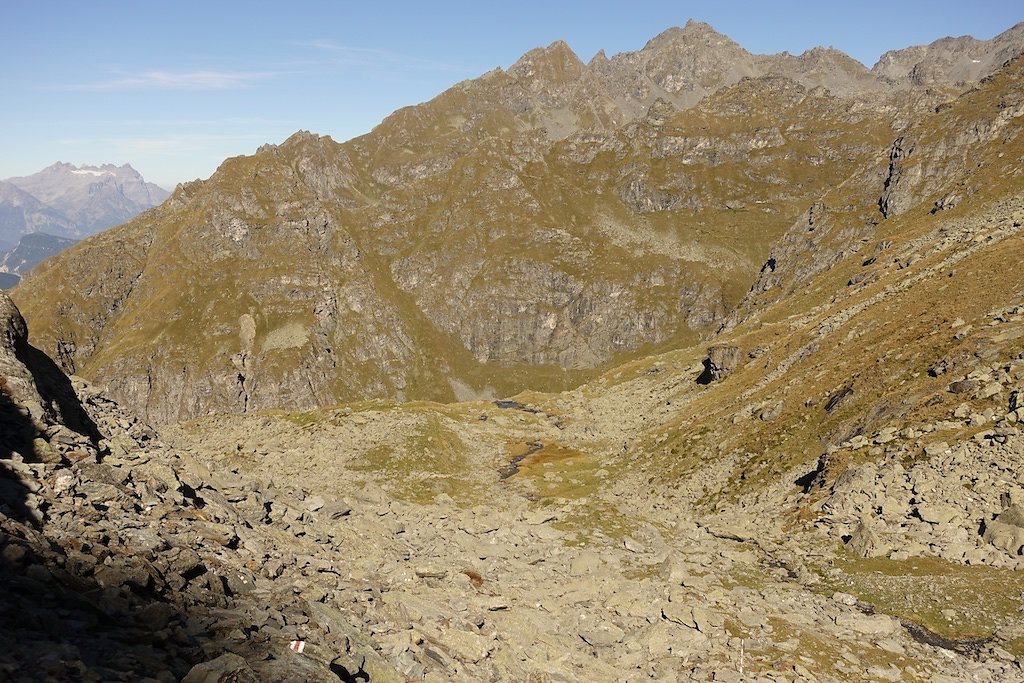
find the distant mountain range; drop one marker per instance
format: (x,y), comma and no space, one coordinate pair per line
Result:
(73,201)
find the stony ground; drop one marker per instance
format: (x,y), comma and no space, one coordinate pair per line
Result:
(495,541)
(551,572)
(844,502)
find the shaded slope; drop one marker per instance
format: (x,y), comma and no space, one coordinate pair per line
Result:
(31,249)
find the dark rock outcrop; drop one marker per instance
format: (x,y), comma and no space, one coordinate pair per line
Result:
(722,359)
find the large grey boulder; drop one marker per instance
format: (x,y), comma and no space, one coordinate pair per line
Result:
(865,542)
(722,359)
(1007,530)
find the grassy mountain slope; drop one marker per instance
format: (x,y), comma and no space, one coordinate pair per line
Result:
(321,272)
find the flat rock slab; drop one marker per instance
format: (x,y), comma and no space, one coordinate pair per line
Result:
(868,624)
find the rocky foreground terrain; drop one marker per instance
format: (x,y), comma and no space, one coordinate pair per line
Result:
(829,488)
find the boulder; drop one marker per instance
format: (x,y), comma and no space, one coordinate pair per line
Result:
(604,634)
(1007,530)
(937,513)
(227,668)
(722,359)
(868,624)
(865,542)
(1005,537)
(465,646)
(963,386)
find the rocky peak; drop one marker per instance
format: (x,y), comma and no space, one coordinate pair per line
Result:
(302,137)
(694,33)
(695,38)
(552,65)
(950,61)
(91,198)
(829,56)
(599,58)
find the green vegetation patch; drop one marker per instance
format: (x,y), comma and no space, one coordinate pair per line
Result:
(951,600)
(432,461)
(792,644)
(596,523)
(556,471)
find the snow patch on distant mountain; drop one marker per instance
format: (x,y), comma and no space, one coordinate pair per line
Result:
(90,171)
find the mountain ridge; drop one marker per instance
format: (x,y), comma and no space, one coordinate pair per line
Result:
(547,216)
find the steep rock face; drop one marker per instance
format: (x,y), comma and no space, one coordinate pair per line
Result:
(953,153)
(944,148)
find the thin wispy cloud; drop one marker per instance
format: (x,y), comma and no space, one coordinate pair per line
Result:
(230,121)
(177,80)
(364,56)
(175,145)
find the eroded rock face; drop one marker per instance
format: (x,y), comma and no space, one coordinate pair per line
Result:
(39,413)
(892,202)
(722,359)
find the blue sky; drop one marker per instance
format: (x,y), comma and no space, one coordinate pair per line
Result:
(175,87)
